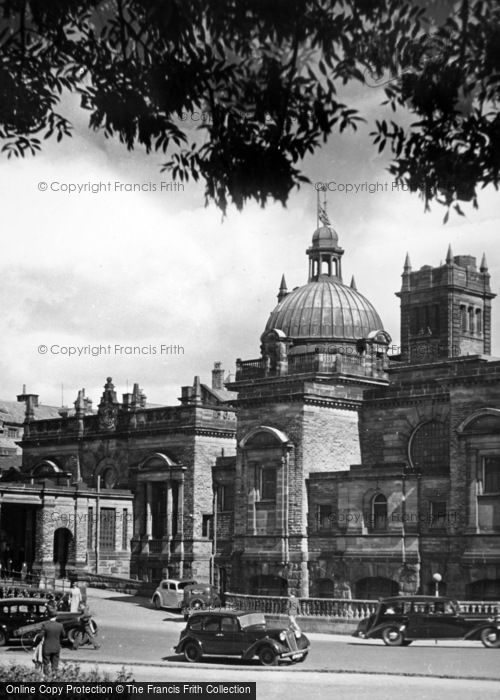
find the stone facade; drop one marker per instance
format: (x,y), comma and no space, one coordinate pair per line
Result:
(131,482)
(326,467)
(385,468)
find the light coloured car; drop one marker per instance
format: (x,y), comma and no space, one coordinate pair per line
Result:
(170,593)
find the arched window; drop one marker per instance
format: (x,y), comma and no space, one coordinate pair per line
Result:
(463,318)
(428,448)
(374,587)
(470,312)
(479,322)
(379,512)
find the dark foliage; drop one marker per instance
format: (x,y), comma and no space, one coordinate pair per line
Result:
(262,77)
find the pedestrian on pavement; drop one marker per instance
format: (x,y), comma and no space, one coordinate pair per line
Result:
(89,634)
(76,598)
(51,648)
(293,609)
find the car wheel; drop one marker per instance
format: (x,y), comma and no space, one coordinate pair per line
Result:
(268,656)
(157,602)
(3,638)
(192,652)
(490,637)
(196,604)
(393,637)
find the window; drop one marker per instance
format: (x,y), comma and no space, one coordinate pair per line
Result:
(479,322)
(225,497)
(429,448)
(470,312)
(268,484)
(107,518)
(438,513)
(125,529)
(229,624)
(207,526)
(379,512)
(11,432)
(491,482)
(90,528)
(463,318)
(323,517)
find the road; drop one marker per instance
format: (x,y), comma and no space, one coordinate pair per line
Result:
(141,638)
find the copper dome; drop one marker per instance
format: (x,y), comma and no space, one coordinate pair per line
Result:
(325,308)
(325,236)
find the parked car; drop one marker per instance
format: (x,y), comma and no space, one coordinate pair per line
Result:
(401,620)
(170,593)
(24,616)
(186,595)
(200,596)
(240,634)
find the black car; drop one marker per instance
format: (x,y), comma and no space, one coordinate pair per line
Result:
(22,616)
(240,634)
(399,621)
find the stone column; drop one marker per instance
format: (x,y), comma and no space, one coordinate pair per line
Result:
(180,524)
(148,530)
(169,512)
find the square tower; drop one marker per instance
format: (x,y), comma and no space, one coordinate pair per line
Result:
(445,310)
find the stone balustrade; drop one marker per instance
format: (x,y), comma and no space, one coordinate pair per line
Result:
(339,608)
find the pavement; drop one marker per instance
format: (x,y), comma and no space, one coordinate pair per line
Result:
(130,629)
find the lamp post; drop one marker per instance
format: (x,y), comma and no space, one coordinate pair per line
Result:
(437,580)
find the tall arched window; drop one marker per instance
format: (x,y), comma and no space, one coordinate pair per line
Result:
(379,512)
(463,318)
(470,312)
(429,448)
(479,321)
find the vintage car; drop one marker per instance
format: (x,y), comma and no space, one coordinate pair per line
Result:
(186,595)
(240,634)
(401,620)
(23,618)
(200,596)
(170,593)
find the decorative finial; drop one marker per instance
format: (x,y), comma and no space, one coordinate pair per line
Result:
(484,264)
(407,265)
(353,284)
(283,291)
(449,256)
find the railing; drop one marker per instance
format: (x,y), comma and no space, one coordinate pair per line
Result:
(313,607)
(16,584)
(479,607)
(339,608)
(329,363)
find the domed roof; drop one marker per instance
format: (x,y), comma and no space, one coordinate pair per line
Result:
(325,308)
(325,236)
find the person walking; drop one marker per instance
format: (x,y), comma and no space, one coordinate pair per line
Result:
(89,633)
(293,609)
(76,598)
(51,648)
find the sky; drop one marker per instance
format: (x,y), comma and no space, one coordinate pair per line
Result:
(157,269)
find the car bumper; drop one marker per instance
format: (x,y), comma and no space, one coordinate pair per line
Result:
(295,655)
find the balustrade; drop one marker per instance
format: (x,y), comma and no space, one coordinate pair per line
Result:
(340,608)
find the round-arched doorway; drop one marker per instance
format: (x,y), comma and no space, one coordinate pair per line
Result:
(62,542)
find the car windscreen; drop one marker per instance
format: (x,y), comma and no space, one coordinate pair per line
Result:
(252,619)
(183,584)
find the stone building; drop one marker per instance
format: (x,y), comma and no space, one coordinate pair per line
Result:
(125,489)
(362,474)
(330,466)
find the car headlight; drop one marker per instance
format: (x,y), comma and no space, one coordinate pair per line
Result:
(283,636)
